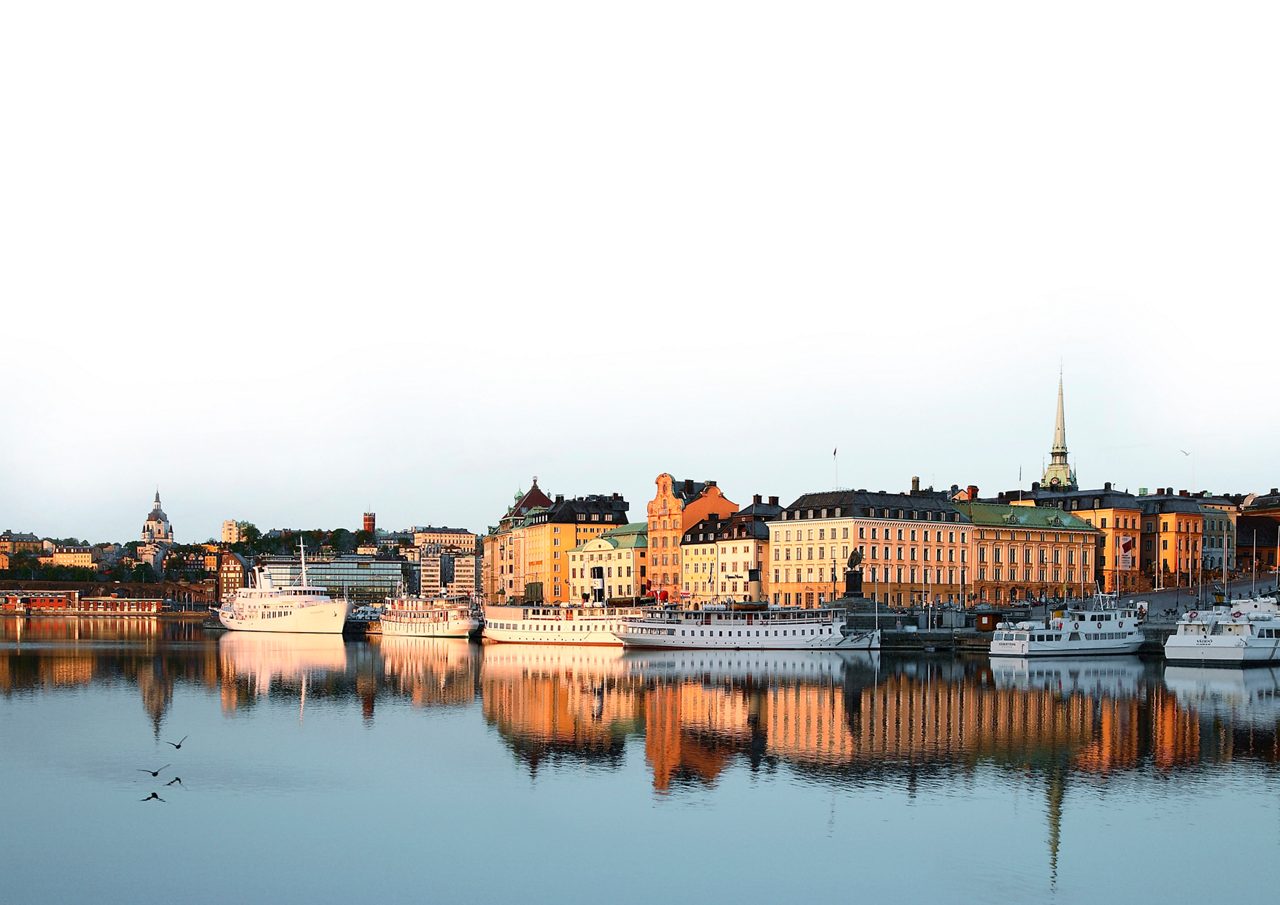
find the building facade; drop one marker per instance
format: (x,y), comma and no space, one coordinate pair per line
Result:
(1029,552)
(728,557)
(362,579)
(446,538)
(611,567)
(19,542)
(914,546)
(1172,538)
(676,507)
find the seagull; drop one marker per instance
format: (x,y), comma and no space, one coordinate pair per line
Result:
(152,797)
(154,773)
(176,779)
(1184,452)
(177,744)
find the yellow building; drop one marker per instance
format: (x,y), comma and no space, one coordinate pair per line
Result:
(612,566)
(445,538)
(532,552)
(503,548)
(721,557)
(914,547)
(76,557)
(675,508)
(1172,538)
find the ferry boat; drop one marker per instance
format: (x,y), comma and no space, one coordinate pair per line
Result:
(297,608)
(555,624)
(1098,627)
(429,618)
(1239,633)
(746,626)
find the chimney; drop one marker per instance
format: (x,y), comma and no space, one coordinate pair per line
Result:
(915,483)
(711,483)
(559,497)
(773,501)
(688,485)
(972,491)
(1183,493)
(1106,486)
(755,500)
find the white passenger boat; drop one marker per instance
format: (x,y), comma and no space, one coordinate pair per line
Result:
(297,608)
(1086,631)
(1239,633)
(746,626)
(429,618)
(554,624)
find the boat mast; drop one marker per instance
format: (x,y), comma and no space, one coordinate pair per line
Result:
(302,552)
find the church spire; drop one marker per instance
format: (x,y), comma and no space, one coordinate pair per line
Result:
(1058,474)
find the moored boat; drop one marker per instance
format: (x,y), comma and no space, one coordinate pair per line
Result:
(1098,627)
(746,626)
(429,618)
(555,624)
(1239,633)
(296,608)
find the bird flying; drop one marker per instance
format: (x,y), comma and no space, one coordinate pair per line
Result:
(154,773)
(178,744)
(152,797)
(176,780)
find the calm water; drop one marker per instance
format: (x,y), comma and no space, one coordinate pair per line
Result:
(411,770)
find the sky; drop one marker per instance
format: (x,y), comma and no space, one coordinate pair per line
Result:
(293,261)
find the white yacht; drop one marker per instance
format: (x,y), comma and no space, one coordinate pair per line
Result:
(746,626)
(1238,633)
(547,623)
(297,608)
(429,618)
(1098,627)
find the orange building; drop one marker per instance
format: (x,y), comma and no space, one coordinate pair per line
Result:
(1172,538)
(676,507)
(1116,514)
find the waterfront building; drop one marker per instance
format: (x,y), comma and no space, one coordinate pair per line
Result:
(361,579)
(549,533)
(1258,534)
(721,557)
(1172,533)
(1219,543)
(611,567)
(503,547)
(1117,516)
(915,547)
(1029,552)
(231,532)
(675,508)
(157,536)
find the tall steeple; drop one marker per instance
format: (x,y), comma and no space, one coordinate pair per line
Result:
(1059,474)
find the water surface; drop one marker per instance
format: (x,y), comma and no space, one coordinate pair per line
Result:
(410,770)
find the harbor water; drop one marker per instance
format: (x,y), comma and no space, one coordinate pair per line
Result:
(397,769)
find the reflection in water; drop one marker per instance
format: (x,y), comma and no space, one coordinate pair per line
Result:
(433,672)
(261,659)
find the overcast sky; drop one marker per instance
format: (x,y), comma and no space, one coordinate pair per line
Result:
(289,261)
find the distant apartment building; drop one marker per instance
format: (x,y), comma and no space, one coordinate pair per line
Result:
(1221,515)
(503,546)
(676,507)
(233,574)
(447,572)
(19,542)
(446,538)
(231,532)
(75,557)
(611,567)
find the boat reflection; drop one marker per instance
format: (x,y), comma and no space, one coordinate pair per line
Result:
(1248,696)
(431,672)
(264,659)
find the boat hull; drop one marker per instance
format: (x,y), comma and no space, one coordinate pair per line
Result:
(578,626)
(427,628)
(1065,648)
(639,639)
(1220,654)
(320,618)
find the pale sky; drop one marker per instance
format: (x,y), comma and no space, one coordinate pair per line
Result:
(289,261)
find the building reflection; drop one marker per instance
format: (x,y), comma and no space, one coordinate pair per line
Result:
(560,702)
